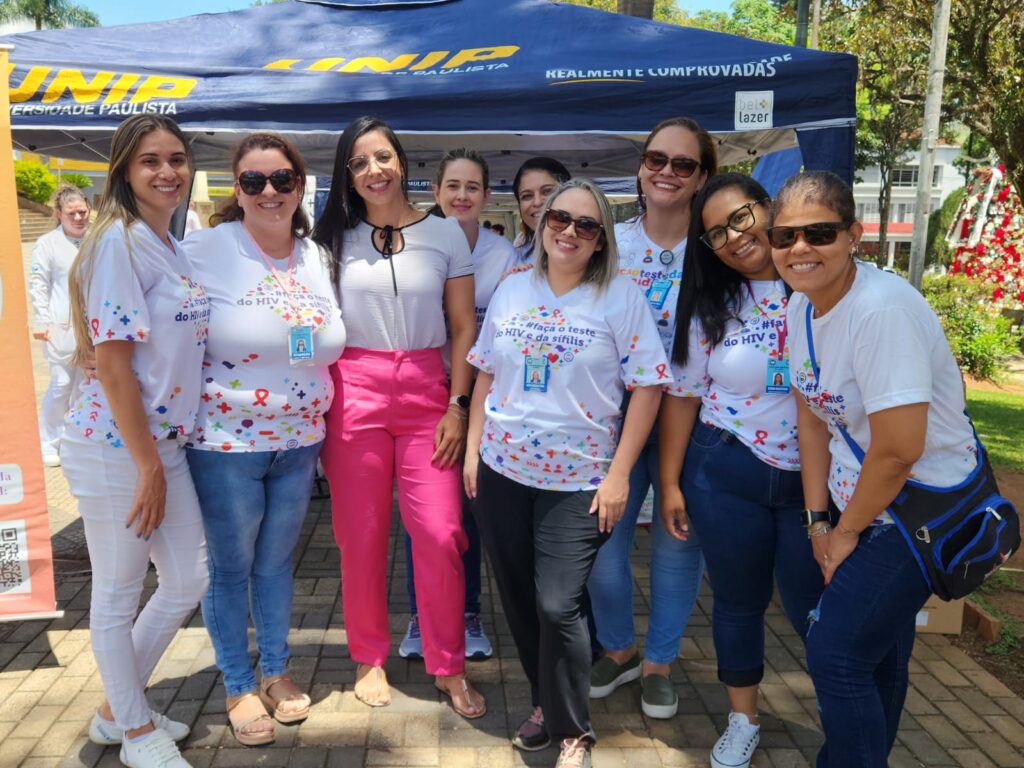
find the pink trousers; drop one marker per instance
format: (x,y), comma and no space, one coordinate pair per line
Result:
(380,428)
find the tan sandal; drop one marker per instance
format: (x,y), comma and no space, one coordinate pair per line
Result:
(291,694)
(250,738)
(378,697)
(463,692)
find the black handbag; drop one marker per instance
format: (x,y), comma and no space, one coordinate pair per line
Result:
(959,535)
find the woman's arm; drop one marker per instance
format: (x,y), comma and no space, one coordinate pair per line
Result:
(475,432)
(114,370)
(675,425)
(813,439)
(897,442)
(461,313)
(610,499)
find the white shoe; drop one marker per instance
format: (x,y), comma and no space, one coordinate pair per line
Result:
(104,732)
(736,746)
(478,646)
(51,460)
(411,646)
(157,750)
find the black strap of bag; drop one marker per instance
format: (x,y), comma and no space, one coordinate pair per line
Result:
(959,535)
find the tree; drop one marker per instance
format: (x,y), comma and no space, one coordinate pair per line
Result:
(984,83)
(664,10)
(51,14)
(757,19)
(33,180)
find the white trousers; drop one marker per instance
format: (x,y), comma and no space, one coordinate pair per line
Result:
(103,480)
(54,406)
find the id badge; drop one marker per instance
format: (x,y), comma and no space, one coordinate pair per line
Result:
(300,345)
(657,294)
(535,376)
(776,381)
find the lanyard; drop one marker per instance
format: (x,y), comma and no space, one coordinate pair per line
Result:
(288,286)
(782,331)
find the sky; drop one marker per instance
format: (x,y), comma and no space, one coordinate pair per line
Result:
(112,12)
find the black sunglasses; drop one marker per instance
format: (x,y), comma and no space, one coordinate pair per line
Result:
(820,233)
(683,167)
(559,220)
(360,163)
(254,182)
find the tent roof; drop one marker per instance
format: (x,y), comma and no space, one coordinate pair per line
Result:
(513,78)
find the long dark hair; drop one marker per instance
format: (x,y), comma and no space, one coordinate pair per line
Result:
(710,290)
(230,210)
(708,153)
(345,208)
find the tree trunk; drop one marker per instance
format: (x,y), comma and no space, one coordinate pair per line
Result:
(642,8)
(884,204)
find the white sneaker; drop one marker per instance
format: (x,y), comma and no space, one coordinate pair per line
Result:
(411,646)
(736,746)
(478,646)
(105,732)
(51,460)
(157,750)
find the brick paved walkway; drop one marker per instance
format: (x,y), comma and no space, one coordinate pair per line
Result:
(956,714)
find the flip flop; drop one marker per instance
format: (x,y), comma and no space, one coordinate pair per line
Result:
(383,696)
(441,683)
(250,738)
(294,695)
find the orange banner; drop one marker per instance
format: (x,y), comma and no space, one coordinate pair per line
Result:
(26,560)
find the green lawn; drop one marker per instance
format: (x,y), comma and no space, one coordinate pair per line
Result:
(999,419)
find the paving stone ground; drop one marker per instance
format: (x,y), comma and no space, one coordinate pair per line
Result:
(956,713)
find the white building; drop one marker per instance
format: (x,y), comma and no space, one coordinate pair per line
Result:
(946,178)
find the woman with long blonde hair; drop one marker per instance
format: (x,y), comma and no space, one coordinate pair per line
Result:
(136,307)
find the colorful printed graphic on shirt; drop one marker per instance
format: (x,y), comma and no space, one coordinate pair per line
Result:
(542,332)
(301,307)
(195,308)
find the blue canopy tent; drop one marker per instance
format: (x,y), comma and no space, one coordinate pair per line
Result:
(512,78)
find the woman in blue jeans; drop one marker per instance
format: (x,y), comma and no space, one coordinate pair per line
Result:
(275,327)
(732,417)
(678,159)
(869,361)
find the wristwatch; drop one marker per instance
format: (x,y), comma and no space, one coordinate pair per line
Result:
(811,516)
(460,400)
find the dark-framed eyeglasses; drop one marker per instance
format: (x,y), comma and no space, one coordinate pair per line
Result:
(254,182)
(361,163)
(819,233)
(682,166)
(586,227)
(739,220)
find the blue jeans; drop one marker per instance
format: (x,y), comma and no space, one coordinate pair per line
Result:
(747,515)
(470,562)
(676,570)
(858,649)
(253,506)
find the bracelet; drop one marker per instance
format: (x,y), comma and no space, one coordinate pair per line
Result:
(818,529)
(846,531)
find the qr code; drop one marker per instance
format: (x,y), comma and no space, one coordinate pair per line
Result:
(14,570)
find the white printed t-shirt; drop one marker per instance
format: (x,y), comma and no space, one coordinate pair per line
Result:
(253,398)
(732,378)
(147,297)
(435,250)
(640,259)
(881,347)
(590,346)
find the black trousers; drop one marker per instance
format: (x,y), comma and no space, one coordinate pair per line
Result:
(542,545)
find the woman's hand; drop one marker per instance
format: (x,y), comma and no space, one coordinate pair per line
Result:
(819,546)
(838,546)
(470,467)
(449,439)
(673,512)
(150,501)
(610,500)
